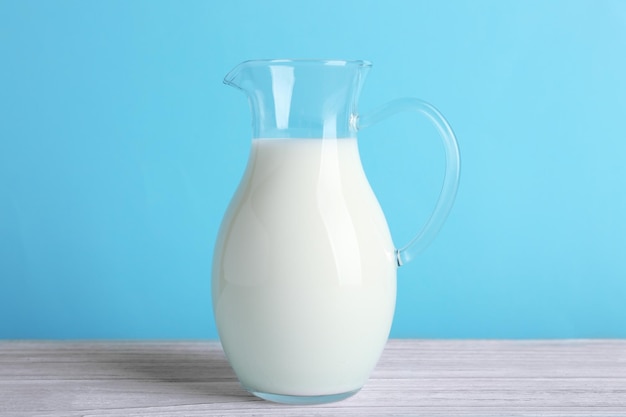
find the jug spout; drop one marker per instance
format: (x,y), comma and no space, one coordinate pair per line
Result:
(301,98)
(236,77)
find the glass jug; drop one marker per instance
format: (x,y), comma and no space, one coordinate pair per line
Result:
(304,269)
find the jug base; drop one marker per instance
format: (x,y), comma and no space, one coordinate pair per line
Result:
(303,399)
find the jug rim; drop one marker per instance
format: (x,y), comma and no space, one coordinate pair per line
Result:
(305,61)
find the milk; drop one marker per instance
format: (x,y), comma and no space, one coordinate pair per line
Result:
(304,270)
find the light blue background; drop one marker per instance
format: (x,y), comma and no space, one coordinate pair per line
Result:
(120,148)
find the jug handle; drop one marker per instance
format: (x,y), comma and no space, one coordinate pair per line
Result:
(451,177)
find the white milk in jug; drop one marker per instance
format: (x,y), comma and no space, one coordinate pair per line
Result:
(304,270)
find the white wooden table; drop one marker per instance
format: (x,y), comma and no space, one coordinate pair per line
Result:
(413,378)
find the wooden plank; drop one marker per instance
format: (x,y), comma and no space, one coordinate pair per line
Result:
(414,377)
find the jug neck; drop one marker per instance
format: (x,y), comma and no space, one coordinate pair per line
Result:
(301,98)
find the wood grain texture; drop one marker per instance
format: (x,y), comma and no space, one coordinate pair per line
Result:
(413,378)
